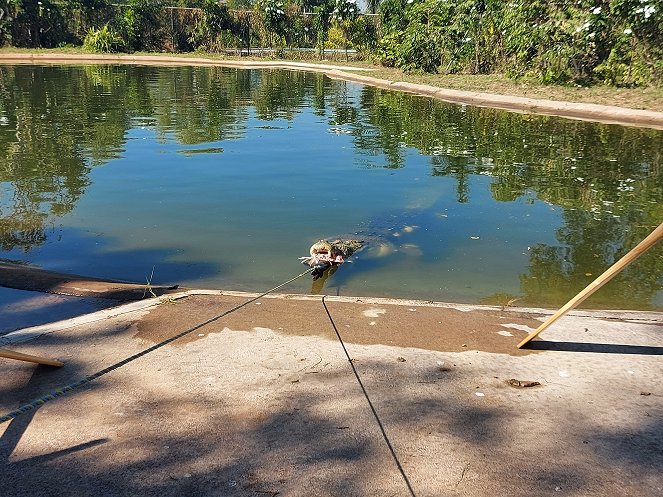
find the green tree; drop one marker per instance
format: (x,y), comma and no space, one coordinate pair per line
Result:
(373,6)
(141,25)
(345,14)
(322,18)
(274,18)
(214,27)
(34,24)
(617,42)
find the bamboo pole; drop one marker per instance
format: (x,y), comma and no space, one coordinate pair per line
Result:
(642,247)
(10,354)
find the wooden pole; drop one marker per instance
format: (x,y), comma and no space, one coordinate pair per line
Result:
(10,354)
(642,247)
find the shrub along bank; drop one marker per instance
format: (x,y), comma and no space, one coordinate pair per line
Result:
(617,42)
(613,42)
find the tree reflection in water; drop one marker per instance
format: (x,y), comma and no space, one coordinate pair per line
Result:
(58,123)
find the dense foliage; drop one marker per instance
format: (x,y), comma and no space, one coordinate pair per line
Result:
(185,25)
(616,42)
(619,42)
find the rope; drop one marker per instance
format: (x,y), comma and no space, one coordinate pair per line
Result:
(370,404)
(58,392)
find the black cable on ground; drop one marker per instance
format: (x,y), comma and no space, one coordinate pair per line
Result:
(370,404)
(58,392)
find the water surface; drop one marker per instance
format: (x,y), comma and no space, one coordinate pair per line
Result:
(221,178)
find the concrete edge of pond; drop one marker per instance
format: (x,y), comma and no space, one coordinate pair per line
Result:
(139,306)
(112,298)
(606,114)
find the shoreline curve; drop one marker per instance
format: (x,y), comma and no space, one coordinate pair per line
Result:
(605,114)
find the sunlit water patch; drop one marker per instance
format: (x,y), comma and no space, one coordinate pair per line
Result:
(222,178)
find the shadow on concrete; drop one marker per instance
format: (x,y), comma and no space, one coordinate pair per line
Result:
(601,348)
(203,430)
(24,309)
(31,296)
(288,451)
(639,447)
(17,426)
(193,444)
(40,379)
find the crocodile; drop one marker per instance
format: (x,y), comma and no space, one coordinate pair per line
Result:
(326,255)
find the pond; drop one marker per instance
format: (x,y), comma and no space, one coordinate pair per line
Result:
(222,178)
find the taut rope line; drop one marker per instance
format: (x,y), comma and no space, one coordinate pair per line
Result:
(370,404)
(58,392)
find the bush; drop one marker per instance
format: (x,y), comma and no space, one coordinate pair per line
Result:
(392,15)
(421,46)
(362,33)
(141,26)
(617,42)
(388,48)
(103,40)
(211,30)
(34,24)
(322,17)
(335,38)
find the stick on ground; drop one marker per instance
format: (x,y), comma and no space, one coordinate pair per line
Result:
(19,356)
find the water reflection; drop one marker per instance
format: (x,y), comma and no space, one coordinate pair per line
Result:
(507,206)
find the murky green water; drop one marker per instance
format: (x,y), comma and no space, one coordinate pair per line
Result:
(221,178)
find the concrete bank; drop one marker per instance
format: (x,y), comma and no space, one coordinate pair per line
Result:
(588,112)
(264,401)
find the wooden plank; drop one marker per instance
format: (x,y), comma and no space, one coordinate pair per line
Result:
(642,247)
